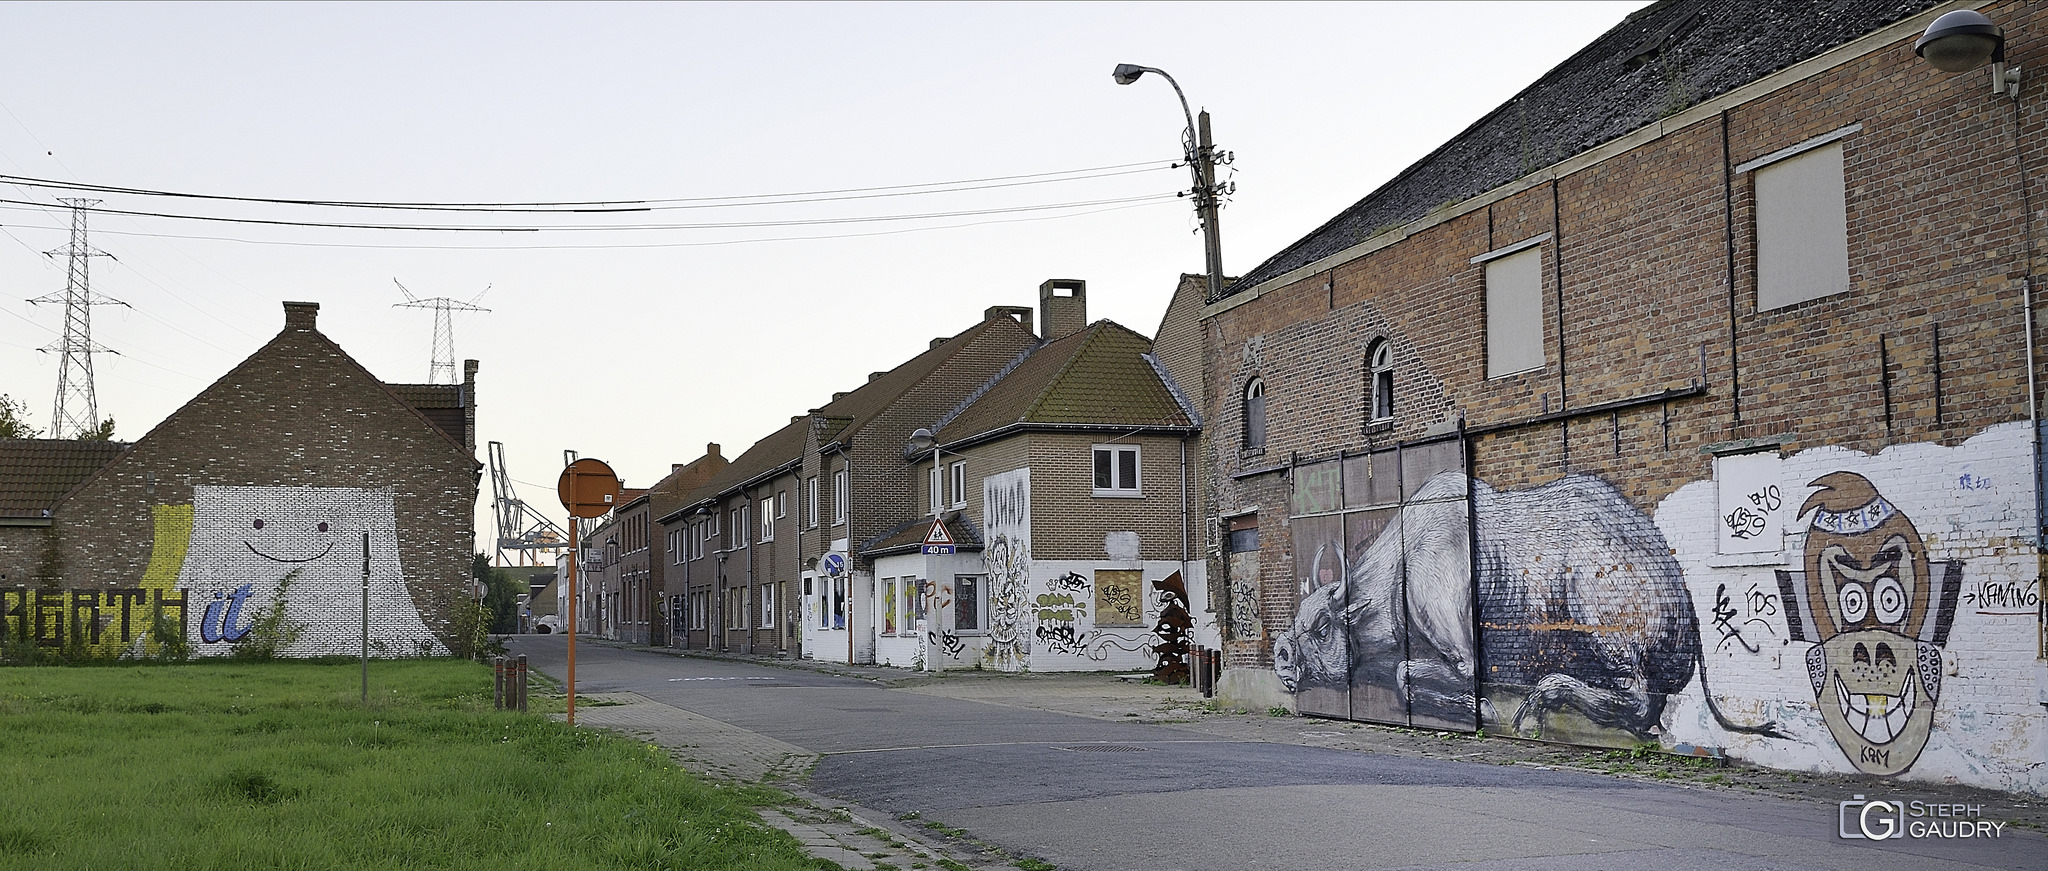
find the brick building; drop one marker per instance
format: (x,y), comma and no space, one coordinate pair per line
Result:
(1059,529)
(1687,397)
(262,491)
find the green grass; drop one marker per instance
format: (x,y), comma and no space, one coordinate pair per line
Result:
(277,765)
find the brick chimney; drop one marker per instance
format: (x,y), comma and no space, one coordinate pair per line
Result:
(300,315)
(1062,307)
(1020,313)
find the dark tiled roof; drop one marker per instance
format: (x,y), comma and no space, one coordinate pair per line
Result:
(910,534)
(844,416)
(1658,61)
(441,403)
(36,473)
(1098,376)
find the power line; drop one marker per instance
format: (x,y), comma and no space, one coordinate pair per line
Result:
(616,246)
(724,225)
(635,205)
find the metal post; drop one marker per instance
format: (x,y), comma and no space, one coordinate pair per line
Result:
(520,669)
(366,618)
(575,556)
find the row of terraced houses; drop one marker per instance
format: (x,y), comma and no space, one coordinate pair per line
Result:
(1691,396)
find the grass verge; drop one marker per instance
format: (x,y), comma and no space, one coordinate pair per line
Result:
(278,765)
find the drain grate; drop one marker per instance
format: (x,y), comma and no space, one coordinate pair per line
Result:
(1103,748)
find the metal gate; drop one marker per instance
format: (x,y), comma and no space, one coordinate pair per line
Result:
(1384,630)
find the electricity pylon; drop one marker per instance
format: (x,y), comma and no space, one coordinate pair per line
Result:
(444,328)
(77,408)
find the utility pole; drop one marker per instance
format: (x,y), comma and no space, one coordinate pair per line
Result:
(444,328)
(1206,196)
(77,408)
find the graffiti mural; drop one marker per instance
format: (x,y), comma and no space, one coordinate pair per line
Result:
(1580,605)
(1058,614)
(1006,503)
(247,544)
(1877,612)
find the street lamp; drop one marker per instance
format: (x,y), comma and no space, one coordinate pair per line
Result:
(1965,40)
(1200,154)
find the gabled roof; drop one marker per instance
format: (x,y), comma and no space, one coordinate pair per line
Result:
(846,415)
(1098,377)
(864,404)
(909,535)
(1655,63)
(36,473)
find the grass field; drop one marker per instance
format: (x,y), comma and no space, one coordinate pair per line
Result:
(278,766)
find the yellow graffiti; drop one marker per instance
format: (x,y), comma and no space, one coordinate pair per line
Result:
(167,552)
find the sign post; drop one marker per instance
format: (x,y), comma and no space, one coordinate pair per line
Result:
(587,487)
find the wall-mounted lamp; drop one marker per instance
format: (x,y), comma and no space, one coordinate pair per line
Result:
(1963,40)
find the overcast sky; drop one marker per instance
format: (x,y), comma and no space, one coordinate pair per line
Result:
(638,346)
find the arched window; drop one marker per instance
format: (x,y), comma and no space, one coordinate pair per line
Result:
(1380,381)
(1255,415)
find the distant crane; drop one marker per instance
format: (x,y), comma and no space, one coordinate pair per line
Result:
(521,530)
(444,328)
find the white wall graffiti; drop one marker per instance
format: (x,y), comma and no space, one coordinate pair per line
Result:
(1902,638)
(1006,521)
(248,541)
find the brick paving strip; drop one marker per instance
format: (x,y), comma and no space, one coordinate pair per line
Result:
(832,830)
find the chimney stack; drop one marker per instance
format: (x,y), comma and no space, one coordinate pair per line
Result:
(300,315)
(1063,307)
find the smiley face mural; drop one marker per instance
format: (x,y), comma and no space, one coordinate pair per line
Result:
(249,543)
(1877,612)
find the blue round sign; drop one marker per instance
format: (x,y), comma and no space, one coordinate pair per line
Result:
(833,564)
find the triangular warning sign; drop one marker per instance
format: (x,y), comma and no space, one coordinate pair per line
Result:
(938,534)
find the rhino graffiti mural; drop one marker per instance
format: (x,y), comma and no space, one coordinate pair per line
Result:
(1580,607)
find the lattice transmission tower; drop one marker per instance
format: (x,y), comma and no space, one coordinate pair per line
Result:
(77,407)
(444,328)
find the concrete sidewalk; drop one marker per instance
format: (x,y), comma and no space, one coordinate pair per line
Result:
(854,838)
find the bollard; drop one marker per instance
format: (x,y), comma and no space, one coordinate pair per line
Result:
(498,682)
(520,671)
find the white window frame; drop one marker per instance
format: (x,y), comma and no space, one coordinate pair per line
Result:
(767,606)
(811,510)
(1379,375)
(1254,399)
(980,598)
(958,477)
(781,504)
(1120,489)
(839,496)
(767,520)
(934,497)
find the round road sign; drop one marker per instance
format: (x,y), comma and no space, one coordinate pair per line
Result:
(588,488)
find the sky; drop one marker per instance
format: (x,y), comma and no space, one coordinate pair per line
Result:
(816,190)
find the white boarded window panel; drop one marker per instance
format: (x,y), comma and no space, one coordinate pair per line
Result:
(1802,229)
(1514,313)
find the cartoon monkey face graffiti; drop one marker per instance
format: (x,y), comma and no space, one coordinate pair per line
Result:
(1873,605)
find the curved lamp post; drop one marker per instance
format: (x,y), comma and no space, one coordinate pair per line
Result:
(1200,154)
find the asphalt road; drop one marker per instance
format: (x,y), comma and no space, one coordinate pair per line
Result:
(1084,793)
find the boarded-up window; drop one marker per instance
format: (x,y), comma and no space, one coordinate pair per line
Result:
(1802,229)
(1119,598)
(1514,313)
